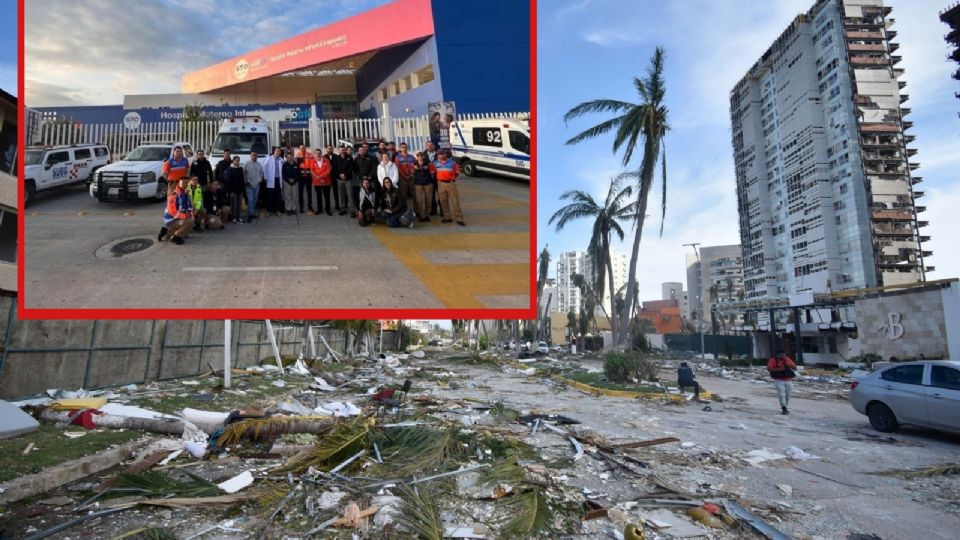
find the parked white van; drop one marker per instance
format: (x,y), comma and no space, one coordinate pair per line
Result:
(49,167)
(499,146)
(139,175)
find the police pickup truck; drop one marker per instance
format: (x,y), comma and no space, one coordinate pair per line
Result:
(139,175)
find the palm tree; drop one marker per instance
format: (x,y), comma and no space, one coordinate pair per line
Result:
(544,267)
(646,122)
(606,221)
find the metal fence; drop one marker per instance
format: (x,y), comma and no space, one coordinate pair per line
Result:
(201,134)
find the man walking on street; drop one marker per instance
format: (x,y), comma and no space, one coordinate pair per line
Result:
(202,169)
(781,368)
(252,176)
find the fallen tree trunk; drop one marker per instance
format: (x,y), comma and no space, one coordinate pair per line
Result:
(166,426)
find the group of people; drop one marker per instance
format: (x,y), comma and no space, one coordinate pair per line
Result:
(398,189)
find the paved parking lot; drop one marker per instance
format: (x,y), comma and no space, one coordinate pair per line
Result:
(322,262)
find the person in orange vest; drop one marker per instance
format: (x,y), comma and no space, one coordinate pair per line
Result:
(321,170)
(446,171)
(781,368)
(175,168)
(405,165)
(178,215)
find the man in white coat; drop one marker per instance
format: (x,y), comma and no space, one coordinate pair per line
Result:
(273,174)
(387,169)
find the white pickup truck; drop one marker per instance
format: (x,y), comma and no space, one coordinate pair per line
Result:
(139,175)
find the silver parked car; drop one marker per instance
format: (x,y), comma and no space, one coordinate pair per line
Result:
(923,393)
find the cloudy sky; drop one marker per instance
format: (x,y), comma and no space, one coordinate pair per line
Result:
(8,46)
(93,52)
(592,49)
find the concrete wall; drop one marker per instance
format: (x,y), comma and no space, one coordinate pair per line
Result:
(38,355)
(391,65)
(918,325)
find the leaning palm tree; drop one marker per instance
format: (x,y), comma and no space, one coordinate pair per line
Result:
(606,222)
(645,122)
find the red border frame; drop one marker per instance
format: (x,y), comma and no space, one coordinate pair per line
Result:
(26,313)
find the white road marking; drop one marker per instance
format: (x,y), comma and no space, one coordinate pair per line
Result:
(259,268)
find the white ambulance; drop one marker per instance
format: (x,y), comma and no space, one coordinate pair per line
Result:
(49,167)
(496,145)
(242,135)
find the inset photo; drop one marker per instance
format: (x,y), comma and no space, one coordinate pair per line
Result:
(373,155)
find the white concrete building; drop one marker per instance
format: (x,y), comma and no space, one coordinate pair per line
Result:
(722,272)
(825,190)
(571,262)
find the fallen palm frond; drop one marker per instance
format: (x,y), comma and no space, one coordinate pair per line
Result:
(531,515)
(341,442)
(507,470)
(419,514)
(156,483)
(501,411)
(418,449)
(940,470)
(502,447)
(262,429)
(147,533)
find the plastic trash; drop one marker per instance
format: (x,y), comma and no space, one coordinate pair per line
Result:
(701,515)
(794,452)
(237,483)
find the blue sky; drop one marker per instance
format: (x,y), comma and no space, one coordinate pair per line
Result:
(8,46)
(113,65)
(592,48)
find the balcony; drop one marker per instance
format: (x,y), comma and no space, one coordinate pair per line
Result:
(908,138)
(930,269)
(891,34)
(866,47)
(877,10)
(923,223)
(858,23)
(894,47)
(918,194)
(907,124)
(927,253)
(904,97)
(925,239)
(916,179)
(920,209)
(911,152)
(891,215)
(905,111)
(895,59)
(858,60)
(913,166)
(879,127)
(863,34)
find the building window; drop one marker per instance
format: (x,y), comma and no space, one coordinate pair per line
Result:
(394,88)
(383,94)
(406,83)
(424,75)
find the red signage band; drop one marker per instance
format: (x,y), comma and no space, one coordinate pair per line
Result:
(392,24)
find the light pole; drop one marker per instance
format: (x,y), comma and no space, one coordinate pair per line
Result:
(699,295)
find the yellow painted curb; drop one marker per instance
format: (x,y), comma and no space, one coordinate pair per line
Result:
(623,393)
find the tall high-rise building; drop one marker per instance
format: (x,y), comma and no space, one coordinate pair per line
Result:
(673,290)
(568,295)
(570,262)
(717,277)
(825,190)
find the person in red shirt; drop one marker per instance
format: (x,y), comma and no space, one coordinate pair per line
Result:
(405,165)
(781,368)
(320,171)
(446,170)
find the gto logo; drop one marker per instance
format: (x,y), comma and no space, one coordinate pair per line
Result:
(241,69)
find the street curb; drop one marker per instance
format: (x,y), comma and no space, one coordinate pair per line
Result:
(622,393)
(64,473)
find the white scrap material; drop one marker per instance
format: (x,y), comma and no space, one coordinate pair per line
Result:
(331,499)
(418,354)
(786,489)
(338,408)
(319,383)
(687,444)
(389,508)
(131,411)
(739,427)
(173,455)
(300,368)
(294,407)
(190,383)
(279,383)
(197,416)
(196,449)
(756,457)
(389,361)
(237,483)
(798,453)
(457,531)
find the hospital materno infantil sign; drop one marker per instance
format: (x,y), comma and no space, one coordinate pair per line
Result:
(386,26)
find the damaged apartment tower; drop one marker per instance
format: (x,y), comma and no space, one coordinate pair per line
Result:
(824,185)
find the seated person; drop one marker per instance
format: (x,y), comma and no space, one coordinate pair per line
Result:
(215,203)
(686,378)
(391,203)
(367,211)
